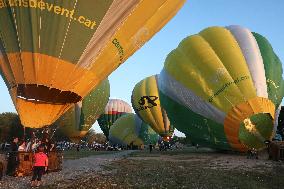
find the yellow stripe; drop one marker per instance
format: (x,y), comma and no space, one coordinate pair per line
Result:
(230,53)
(152,116)
(146,19)
(213,63)
(37,115)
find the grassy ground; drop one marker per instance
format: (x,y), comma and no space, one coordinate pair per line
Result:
(189,168)
(73,154)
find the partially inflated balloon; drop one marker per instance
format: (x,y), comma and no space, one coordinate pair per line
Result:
(147,134)
(130,129)
(53,53)
(114,109)
(221,86)
(146,103)
(77,121)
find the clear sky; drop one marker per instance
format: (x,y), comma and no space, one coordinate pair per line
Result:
(262,16)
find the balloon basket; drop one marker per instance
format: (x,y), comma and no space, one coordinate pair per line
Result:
(26,161)
(276,150)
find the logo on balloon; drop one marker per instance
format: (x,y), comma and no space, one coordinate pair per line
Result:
(226,85)
(219,76)
(146,102)
(119,48)
(140,37)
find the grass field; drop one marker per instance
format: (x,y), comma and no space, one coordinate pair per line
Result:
(73,154)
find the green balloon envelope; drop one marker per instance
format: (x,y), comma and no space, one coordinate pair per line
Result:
(77,121)
(221,88)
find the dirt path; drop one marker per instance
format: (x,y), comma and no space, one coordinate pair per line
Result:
(72,170)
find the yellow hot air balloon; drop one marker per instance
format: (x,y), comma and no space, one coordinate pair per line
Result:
(146,103)
(53,53)
(77,121)
(221,88)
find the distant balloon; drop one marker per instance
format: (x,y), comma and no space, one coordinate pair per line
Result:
(146,103)
(77,121)
(221,87)
(114,109)
(130,129)
(53,53)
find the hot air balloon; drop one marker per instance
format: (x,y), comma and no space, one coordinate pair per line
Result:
(221,87)
(77,121)
(130,129)
(114,109)
(53,53)
(146,103)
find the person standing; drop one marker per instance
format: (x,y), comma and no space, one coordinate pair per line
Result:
(40,166)
(13,157)
(22,147)
(150,147)
(1,170)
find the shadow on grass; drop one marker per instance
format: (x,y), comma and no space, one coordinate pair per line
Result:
(73,154)
(184,151)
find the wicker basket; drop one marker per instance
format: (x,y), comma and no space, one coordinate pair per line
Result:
(55,161)
(26,162)
(3,164)
(276,150)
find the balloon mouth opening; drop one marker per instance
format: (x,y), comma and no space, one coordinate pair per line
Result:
(42,94)
(256,130)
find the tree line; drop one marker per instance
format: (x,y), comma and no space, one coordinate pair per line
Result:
(10,126)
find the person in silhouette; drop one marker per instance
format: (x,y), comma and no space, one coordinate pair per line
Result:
(13,157)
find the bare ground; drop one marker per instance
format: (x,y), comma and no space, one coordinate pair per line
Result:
(187,168)
(73,169)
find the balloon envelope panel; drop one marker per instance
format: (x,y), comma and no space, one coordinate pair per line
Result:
(146,103)
(53,53)
(114,109)
(130,129)
(218,88)
(77,121)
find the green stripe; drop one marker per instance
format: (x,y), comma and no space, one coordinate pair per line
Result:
(105,121)
(264,128)
(200,129)
(147,134)
(94,104)
(1,72)
(26,22)
(273,70)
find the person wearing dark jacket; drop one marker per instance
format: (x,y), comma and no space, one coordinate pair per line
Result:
(150,147)
(13,157)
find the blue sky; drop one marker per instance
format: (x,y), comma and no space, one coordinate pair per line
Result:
(264,17)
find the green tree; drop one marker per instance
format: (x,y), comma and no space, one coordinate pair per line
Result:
(10,126)
(92,137)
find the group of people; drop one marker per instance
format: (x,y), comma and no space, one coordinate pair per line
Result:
(40,150)
(32,146)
